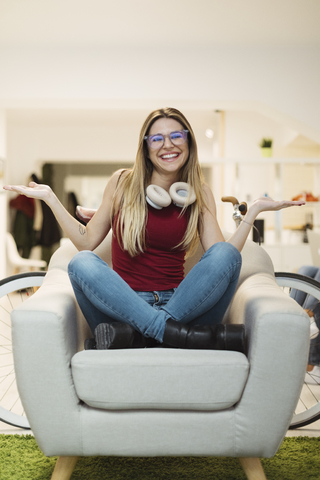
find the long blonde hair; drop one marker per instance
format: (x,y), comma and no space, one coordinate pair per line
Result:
(133,211)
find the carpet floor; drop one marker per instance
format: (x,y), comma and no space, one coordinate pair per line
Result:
(20,459)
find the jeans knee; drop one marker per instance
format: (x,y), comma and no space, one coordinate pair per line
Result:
(224,256)
(224,251)
(233,253)
(79,261)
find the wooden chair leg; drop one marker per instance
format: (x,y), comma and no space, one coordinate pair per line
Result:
(253,468)
(64,468)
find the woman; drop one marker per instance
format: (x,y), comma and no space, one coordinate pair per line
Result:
(144,299)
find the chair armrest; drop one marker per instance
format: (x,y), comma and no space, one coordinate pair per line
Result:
(47,331)
(278,333)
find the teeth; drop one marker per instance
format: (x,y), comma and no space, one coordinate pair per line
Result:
(172,155)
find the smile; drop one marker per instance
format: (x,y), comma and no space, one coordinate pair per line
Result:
(170,156)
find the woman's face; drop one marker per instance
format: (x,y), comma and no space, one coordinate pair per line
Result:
(169,158)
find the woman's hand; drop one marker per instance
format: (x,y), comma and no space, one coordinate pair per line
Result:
(34,190)
(265,204)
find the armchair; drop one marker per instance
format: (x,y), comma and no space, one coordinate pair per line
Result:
(158,401)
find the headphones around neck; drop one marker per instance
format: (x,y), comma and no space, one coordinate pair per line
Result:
(181,193)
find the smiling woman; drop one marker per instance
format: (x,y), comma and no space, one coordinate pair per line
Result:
(144,299)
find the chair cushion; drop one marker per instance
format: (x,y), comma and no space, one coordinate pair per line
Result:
(159,378)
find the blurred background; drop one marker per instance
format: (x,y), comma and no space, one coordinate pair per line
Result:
(78,78)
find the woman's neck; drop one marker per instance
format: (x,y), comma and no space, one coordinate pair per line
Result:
(164,181)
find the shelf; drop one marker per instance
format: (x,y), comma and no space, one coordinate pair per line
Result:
(268,160)
(288,257)
(307,204)
(311,204)
(281,177)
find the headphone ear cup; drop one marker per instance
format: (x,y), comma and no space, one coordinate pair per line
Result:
(157,197)
(182,194)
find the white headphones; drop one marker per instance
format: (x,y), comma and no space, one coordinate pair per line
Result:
(180,193)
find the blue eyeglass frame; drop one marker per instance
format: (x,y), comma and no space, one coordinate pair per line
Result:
(164,136)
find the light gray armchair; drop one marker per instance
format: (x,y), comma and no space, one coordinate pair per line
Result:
(158,402)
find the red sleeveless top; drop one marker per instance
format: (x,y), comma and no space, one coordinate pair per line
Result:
(161,265)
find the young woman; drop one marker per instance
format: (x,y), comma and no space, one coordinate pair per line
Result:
(145,298)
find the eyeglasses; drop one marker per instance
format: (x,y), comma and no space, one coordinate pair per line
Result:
(177,138)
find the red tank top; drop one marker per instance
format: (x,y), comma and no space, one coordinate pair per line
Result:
(160,267)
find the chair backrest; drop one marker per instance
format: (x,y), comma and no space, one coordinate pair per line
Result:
(255,258)
(314,242)
(14,258)
(12,251)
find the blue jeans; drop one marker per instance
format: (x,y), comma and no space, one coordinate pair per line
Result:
(309,302)
(201,298)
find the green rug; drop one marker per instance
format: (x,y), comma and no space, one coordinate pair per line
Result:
(20,459)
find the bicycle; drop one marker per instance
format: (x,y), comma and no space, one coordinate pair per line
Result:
(13,291)
(308,407)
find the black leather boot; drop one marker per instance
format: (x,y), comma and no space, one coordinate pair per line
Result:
(207,337)
(120,335)
(90,344)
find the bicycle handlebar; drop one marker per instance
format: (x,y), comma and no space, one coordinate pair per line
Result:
(241,206)
(233,200)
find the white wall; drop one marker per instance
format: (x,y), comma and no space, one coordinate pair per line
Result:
(284,80)
(244,131)
(30,144)
(35,137)
(3,202)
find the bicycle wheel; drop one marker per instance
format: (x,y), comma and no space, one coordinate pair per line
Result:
(13,291)
(308,407)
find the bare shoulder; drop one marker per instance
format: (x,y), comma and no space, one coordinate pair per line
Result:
(207,190)
(117,175)
(210,231)
(209,198)
(114,182)
(113,191)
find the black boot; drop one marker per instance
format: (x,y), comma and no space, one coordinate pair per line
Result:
(90,344)
(120,335)
(207,337)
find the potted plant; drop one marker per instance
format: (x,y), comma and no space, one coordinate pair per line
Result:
(266,147)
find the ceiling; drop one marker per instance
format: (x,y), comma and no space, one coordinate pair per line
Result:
(169,23)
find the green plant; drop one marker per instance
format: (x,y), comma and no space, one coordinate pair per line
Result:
(266,143)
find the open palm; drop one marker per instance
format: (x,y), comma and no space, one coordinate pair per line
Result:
(268,204)
(34,190)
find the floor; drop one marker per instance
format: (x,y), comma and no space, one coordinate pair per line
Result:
(312,430)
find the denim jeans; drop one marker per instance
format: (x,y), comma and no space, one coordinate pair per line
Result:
(201,298)
(309,302)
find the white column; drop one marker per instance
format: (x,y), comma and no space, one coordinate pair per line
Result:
(3,199)
(316,209)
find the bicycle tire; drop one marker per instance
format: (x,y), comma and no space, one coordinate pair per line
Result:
(308,407)
(13,291)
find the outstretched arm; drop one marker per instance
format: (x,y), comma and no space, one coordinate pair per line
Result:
(83,237)
(211,233)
